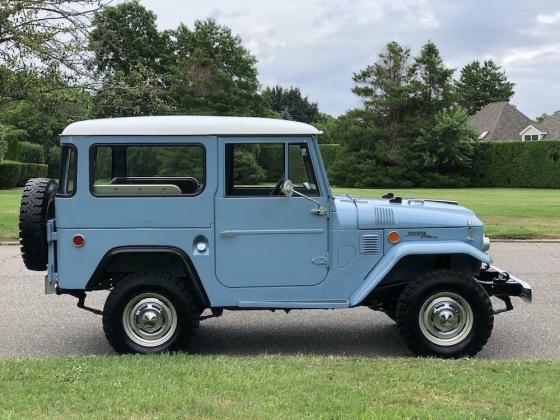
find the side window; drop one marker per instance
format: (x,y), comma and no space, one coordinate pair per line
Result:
(68,172)
(300,169)
(147,170)
(257,169)
(254,169)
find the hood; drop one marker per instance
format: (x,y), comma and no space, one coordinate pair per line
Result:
(366,213)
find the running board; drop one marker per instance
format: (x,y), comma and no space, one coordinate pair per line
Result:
(313,304)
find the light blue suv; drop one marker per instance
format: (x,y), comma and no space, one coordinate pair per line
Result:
(178,215)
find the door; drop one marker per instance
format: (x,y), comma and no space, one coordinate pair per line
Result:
(263,238)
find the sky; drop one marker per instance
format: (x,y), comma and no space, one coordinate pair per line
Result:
(317,45)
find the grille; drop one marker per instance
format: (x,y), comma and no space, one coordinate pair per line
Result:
(370,244)
(384,216)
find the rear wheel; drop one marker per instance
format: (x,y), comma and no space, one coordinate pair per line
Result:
(37,206)
(150,313)
(446,314)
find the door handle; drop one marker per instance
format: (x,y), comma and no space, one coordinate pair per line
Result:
(318,211)
(227,234)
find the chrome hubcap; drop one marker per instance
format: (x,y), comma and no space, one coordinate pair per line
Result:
(149,319)
(446,319)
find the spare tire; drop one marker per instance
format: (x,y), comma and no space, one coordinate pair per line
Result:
(37,206)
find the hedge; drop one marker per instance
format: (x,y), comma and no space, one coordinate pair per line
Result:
(517,165)
(16,174)
(505,164)
(30,152)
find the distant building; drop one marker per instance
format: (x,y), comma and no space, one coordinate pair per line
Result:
(501,121)
(549,129)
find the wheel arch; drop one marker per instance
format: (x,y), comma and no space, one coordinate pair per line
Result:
(126,259)
(390,271)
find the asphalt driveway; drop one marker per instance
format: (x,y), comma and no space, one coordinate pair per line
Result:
(37,324)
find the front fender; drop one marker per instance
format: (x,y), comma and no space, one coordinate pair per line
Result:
(396,252)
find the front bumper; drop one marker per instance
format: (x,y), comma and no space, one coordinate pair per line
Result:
(503,285)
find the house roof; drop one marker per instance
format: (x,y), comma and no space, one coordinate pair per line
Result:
(187,126)
(551,126)
(501,120)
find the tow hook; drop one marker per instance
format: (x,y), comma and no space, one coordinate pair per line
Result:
(507,301)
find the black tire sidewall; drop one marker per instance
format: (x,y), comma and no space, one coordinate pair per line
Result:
(481,319)
(33,221)
(136,285)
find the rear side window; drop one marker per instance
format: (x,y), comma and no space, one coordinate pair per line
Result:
(147,170)
(68,168)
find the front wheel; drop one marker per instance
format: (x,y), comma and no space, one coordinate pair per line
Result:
(445,313)
(150,313)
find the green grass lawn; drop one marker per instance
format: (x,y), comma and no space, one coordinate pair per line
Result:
(506,212)
(9,213)
(276,387)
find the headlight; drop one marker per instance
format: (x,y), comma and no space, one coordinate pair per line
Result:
(486,244)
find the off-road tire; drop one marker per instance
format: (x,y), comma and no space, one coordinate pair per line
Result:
(390,310)
(37,206)
(418,291)
(175,290)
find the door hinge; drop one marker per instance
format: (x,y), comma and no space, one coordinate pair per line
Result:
(52,236)
(322,260)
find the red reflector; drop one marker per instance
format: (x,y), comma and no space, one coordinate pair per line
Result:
(78,240)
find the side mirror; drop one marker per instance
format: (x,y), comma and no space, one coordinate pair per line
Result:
(287,188)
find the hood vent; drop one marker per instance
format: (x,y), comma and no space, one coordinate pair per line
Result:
(370,243)
(384,216)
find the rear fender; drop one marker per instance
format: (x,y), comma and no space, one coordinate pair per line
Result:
(397,252)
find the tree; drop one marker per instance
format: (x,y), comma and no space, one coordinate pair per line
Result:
(215,73)
(432,81)
(138,92)
(290,104)
(385,90)
(447,147)
(36,108)
(327,124)
(3,149)
(480,85)
(125,37)
(44,33)
(541,118)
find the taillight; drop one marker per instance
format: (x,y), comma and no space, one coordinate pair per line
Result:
(78,241)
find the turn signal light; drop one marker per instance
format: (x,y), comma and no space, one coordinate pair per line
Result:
(78,241)
(393,237)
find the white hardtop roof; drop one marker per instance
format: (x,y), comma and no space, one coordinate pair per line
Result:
(187,126)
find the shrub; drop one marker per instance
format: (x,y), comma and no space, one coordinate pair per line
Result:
(9,174)
(16,174)
(12,136)
(31,170)
(52,158)
(30,152)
